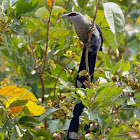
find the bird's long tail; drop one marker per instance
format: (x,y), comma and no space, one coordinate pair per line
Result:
(74,125)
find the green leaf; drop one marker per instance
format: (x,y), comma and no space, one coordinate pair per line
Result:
(54,125)
(18,103)
(7,125)
(29,121)
(137,97)
(18,28)
(42,13)
(45,134)
(138,57)
(57,71)
(117,138)
(90,93)
(15,60)
(14,135)
(115,19)
(38,138)
(66,125)
(93,113)
(107,122)
(109,39)
(108,74)
(108,63)
(54,32)
(118,66)
(109,93)
(1,136)
(82,3)
(123,116)
(57,10)
(2,96)
(48,112)
(126,66)
(58,32)
(130,101)
(5,6)
(25,6)
(116,131)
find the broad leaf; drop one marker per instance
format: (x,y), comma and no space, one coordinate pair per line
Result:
(57,10)
(25,6)
(42,13)
(29,121)
(47,113)
(115,19)
(109,93)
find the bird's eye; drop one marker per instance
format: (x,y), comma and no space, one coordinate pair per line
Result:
(72,14)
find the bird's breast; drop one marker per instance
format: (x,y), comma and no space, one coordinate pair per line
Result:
(82,34)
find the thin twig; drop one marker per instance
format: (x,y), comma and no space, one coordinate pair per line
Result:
(31,47)
(47,38)
(67,4)
(89,42)
(46,52)
(118,110)
(60,74)
(40,71)
(34,56)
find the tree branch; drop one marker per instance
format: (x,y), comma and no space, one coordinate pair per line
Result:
(89,42)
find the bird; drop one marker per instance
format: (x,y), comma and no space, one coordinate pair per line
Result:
(83,26)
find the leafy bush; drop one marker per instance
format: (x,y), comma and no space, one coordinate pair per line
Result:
(40,55)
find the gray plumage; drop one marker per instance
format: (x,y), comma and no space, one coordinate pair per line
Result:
(82,26)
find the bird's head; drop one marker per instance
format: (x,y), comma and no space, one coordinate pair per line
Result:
(82,24)
(73,16)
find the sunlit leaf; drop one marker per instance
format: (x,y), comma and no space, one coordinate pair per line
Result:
(126,66)
(109,93)
(15,110)
(35,110)
(42,13)
(130,101)
(115,19)
(21,93)
(58,9)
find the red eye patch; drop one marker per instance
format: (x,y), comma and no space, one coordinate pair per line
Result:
(72,14)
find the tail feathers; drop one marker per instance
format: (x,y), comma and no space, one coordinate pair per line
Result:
(74,125)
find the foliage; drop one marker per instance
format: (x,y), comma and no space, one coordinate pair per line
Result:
(40,55)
